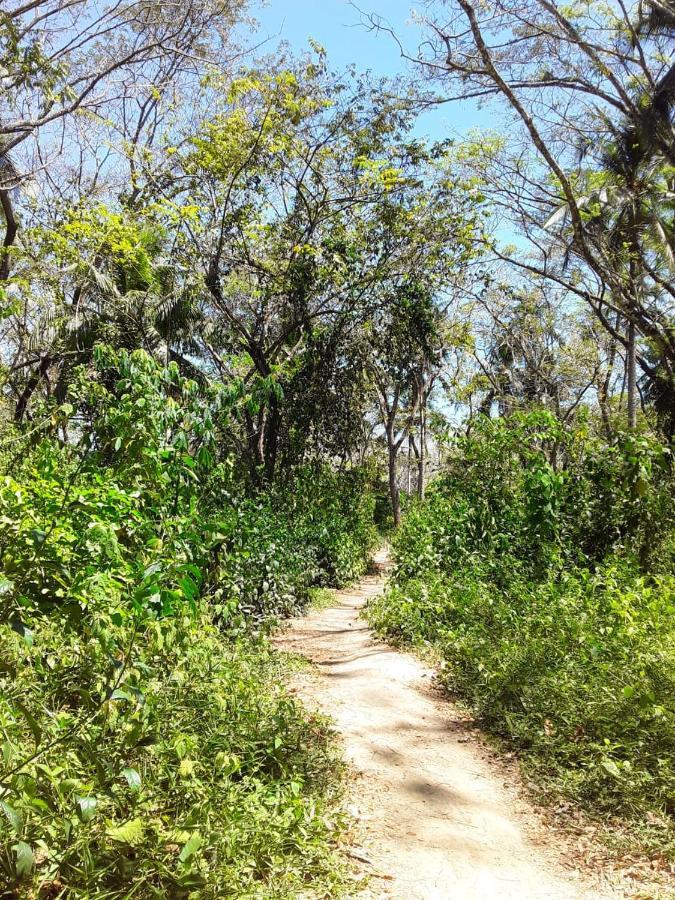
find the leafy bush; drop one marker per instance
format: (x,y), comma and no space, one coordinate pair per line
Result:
(541,570)
(147,742)
(579,671)
(316,529)
(139,512)
(160,757)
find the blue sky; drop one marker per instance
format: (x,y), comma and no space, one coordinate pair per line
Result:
(338,26)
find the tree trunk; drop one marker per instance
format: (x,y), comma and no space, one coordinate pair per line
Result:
(631,357)
(631,381)
(422,458)
(271,432)
(409,491)
(10,233)
(394,493)
(603,387)
(31,386)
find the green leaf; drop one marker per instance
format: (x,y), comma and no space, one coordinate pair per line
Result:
(86,808)
(131,833)
(12,816)
(192,881)
(24,859)
(133,779)
(186,768)
(119,694)
(611,767)
(18,626)
(188,587)
(193,844)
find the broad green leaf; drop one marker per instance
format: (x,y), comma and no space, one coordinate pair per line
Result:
(133,779)
(86,808)
(131,833)
(119,694)
(24,859)
(193,844)
(12,816)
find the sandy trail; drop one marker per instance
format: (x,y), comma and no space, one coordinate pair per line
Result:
(440,821)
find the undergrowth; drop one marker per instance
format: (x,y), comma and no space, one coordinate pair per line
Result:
(540,570)
(170,764)
(148,746)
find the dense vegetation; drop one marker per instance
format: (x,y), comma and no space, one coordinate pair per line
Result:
(246,311)
(541,569)
(147,739)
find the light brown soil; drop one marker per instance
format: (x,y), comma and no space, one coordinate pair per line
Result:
(441,818)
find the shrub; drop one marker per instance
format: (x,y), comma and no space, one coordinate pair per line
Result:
(541,571)
(157,756)
(147,744)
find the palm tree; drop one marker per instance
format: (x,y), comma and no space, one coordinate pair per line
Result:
(627,209)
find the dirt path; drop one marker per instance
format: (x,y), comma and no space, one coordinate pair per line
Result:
(440,821)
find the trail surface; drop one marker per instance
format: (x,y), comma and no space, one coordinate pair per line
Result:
(440,821)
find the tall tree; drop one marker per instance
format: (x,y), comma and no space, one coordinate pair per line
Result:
(309,200)
(74,71)
(576,81)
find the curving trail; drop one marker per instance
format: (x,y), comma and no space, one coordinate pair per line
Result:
(440,821)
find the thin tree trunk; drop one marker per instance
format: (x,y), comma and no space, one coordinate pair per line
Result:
(10,233)
(631,358)
(422,458)
(31,386)
(394,493)
(271,439)
(631,380)
(409,465)
(603,389)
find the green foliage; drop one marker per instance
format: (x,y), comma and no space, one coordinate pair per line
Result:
(140,514)
(336,511)
(541,570)
(167,761)
(314,530)
(146,739)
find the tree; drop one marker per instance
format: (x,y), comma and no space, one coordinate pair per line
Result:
(405,356)
(532,348)
(308,201)
(409,338)
(575,80)
(71,70)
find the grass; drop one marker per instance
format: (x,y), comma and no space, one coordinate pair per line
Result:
(321,598)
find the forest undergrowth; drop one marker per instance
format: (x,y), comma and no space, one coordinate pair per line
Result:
(149,748)
(540,570)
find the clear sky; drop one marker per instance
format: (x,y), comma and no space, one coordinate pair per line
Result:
(339,27)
